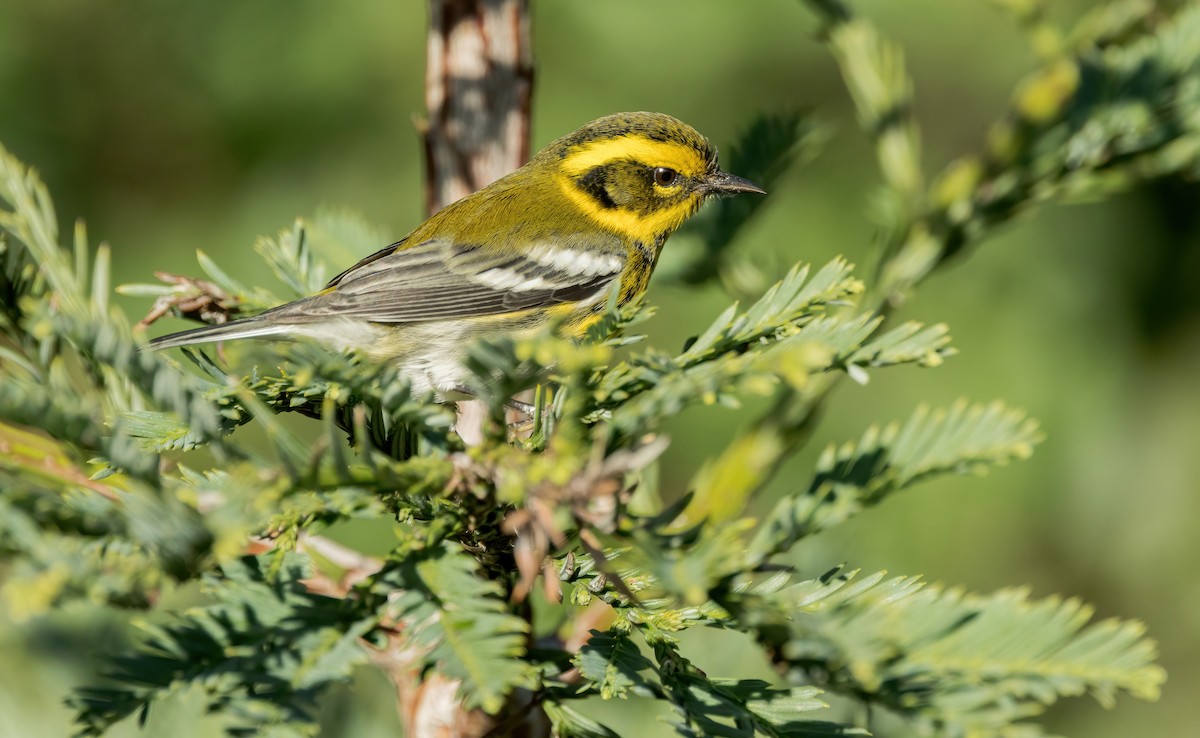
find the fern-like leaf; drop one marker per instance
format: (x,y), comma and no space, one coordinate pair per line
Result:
(951,661)
(262,654)
(291,257)
(960,439)
(613,665)
(461,624)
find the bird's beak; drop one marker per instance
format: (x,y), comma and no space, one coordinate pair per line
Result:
(725,183)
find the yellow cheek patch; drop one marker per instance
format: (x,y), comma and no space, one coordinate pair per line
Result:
(643,227)
(683,159)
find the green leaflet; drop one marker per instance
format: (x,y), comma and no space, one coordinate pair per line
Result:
(611,661)
(949,659)
(260,653)
(570,724)
(461,624)
(960,439)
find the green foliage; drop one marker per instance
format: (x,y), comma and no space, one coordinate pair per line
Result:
(705,707)
(461,622)
(262,652)
(852,476)
(126,473)
(1112,104)
(954,663)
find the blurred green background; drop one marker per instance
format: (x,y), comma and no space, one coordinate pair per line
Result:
(173,126)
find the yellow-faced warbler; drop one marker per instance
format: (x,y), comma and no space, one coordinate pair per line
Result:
(544,244)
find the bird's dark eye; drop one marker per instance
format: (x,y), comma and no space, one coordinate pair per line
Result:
(664,177)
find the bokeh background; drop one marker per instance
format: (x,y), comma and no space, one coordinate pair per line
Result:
(172,126)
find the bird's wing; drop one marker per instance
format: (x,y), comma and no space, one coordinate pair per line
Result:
(385,251)
(439,280)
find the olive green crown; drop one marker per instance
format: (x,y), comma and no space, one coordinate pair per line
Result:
(654,126)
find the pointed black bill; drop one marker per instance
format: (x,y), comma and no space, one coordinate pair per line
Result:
(731,184)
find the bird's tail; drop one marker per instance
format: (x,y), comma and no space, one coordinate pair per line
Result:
(251,327)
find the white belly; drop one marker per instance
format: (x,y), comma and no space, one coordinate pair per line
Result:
(429,355)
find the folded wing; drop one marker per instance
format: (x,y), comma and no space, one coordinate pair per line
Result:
(440,280)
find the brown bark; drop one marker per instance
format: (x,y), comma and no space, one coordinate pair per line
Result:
(478,88)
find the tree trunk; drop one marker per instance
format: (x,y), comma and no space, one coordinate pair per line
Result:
(478,87)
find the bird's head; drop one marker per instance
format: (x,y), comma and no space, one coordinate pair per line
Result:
(639,174)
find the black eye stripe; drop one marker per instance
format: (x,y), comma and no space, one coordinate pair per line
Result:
(594,183)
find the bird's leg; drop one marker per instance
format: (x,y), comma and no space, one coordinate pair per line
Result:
(521,407)
(512,404)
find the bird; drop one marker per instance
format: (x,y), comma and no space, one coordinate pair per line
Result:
(584,219)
